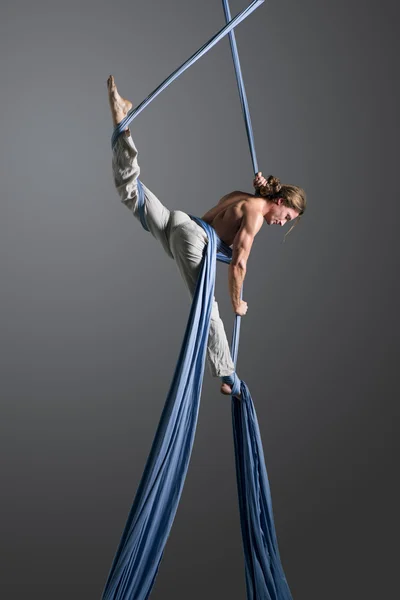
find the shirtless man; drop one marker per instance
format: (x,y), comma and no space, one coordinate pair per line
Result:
(236,218)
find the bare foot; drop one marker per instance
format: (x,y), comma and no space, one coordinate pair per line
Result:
(119,106)
(226,389)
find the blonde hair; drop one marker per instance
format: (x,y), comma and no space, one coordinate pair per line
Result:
(292,196)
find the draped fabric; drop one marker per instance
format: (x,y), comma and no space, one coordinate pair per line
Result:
(150,520)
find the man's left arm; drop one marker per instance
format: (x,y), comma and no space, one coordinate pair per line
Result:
(251,223)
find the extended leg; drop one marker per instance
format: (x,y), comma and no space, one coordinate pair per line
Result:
(126,171)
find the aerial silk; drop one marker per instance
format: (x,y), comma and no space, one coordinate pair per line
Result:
(141,548)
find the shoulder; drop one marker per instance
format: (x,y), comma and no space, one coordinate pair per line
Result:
(235,195)
(253,209)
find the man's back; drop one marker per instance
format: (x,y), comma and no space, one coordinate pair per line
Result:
(227,216)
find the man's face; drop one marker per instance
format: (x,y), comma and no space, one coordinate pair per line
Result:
(279,214)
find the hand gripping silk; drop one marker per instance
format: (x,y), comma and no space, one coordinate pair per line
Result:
(150,520)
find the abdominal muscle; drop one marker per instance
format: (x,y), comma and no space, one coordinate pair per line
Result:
(226,217)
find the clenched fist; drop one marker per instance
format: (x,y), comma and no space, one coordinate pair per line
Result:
(241,310)
(259,180)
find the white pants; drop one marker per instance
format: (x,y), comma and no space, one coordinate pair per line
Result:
(181,238)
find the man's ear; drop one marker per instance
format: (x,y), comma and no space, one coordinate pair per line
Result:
(279,201)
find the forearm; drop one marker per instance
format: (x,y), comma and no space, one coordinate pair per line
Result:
(236,275)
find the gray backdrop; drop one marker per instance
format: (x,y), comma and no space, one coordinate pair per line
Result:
(93,314)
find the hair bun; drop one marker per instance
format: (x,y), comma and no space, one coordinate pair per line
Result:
(274,185)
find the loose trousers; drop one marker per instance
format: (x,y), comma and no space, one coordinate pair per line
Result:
(182,239)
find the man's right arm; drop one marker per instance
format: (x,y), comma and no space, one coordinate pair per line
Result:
(252,222)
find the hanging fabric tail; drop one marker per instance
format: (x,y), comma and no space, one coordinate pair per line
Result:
(265,579)
(140,551)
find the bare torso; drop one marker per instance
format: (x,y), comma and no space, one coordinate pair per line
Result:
(226,217)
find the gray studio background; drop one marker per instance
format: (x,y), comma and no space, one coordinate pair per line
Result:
(93,313)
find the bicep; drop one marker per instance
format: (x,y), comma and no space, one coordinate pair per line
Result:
(251,224)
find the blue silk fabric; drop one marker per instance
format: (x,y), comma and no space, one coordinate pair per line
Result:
(150,520)
(141,548)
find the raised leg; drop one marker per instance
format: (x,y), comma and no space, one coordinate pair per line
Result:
(126,172)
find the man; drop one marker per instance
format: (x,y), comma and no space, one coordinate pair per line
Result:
(236,218)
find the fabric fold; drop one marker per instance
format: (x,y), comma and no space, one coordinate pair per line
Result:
(140,551)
